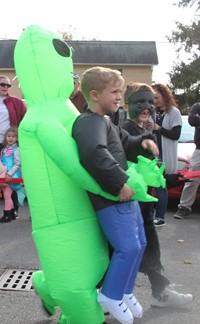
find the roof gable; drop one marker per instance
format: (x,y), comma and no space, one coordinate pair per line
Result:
(114,52)
(95,53)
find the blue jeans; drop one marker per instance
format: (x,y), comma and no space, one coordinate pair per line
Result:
(161,205)
(123,226)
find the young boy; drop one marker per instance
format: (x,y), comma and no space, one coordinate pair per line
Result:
(139,99)
(104,150)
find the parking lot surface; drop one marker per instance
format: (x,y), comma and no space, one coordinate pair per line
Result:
(180,248)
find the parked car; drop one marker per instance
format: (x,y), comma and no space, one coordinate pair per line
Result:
(186,148)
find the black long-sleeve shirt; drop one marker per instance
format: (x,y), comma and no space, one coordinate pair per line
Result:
(104,150)
(194,120)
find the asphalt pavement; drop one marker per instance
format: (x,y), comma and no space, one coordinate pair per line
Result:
(180,249)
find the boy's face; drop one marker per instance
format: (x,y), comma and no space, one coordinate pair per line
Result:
(139,102)
(143,116)
(109,98)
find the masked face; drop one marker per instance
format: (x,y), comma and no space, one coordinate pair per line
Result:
(140,101)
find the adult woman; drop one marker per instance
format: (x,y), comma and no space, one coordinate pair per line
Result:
(77,97)
(12,111)
(168,129)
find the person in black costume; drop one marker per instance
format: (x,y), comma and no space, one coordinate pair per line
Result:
(139,99)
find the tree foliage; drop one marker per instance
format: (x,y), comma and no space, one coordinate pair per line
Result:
(185,76)
(69,34)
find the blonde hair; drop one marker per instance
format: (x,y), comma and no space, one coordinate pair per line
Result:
(134,87)
(4,77)
(10,130)
(97,78)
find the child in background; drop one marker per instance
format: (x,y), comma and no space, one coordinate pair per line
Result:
(10,157)
(103,151)
(139,99)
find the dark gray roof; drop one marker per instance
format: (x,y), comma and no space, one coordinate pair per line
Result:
(114,52)
(95,52)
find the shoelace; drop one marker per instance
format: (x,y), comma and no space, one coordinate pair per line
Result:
(121,305)
(163,298)
(132,298)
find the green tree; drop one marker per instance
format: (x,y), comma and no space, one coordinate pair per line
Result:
(185,77)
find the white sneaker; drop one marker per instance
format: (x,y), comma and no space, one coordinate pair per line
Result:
(104,310)
(134,305)
(169,297)
(117,308)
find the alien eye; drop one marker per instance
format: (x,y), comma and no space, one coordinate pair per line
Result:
(61,47)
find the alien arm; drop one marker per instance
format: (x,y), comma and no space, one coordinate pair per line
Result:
(62,149)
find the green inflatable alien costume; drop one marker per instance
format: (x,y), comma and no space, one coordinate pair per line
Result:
(72,250)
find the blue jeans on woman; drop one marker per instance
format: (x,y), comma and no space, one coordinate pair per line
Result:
(123,227)
(161,205)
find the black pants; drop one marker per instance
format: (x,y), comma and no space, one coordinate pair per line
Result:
(15,201)
(151,264)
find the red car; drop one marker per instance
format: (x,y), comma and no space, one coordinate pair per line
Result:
(186,147)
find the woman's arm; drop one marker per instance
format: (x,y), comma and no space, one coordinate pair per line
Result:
(172,134)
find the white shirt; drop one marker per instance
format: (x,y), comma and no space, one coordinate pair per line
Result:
(170,147)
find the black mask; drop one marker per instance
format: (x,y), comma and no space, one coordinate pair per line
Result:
(140,101)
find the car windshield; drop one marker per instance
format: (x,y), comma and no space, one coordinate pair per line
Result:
(187,131)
